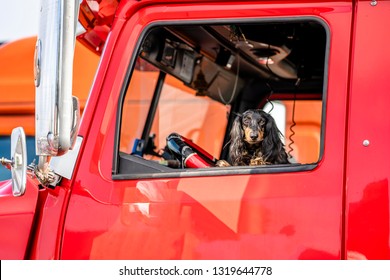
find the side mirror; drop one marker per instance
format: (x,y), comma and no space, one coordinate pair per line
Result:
(18,161)
(53,77)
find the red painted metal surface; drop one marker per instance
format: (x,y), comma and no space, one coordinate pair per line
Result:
(368,166)
(273,216)
(46,241)
(16,220)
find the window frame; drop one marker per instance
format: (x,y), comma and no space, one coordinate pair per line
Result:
(158,171)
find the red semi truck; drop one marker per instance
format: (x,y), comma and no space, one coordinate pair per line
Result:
(109,186)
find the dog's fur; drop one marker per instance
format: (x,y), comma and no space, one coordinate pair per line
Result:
(255,140)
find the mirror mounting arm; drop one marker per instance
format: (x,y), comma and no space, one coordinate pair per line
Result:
(47,177)
(44,173)
(7,163)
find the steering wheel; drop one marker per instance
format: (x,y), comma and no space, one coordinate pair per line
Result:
(188,153)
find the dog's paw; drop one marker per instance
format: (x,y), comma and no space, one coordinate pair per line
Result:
(222,163)
(258,161)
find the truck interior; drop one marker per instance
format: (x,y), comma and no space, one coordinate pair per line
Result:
(189,82)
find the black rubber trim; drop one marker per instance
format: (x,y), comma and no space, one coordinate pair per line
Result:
(134,167)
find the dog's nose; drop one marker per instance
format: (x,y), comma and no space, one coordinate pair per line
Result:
(253,135)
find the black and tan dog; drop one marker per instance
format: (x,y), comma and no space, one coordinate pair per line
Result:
(255,140)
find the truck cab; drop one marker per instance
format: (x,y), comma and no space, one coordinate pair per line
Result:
(176,74)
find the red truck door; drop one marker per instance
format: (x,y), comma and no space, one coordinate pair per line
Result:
(129,206)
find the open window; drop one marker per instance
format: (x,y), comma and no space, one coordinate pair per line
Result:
(190,81)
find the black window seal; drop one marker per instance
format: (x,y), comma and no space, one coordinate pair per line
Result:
(210,172)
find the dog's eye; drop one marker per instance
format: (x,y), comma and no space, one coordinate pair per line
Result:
(246,121)
(261,122)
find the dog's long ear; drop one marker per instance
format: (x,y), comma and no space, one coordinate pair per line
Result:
(273,147)
(236,141)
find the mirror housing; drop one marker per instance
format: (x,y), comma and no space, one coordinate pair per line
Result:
(19,161)
(54,52)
